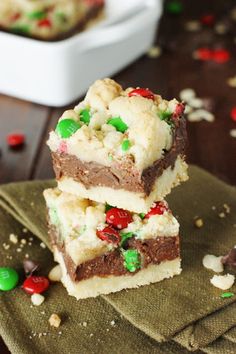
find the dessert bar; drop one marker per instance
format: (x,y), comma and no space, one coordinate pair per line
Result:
(121,147)
(103,249)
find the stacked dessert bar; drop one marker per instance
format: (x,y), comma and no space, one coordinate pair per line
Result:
(116,156)
(48,19)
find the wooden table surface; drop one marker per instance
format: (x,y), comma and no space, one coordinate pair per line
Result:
(210,144)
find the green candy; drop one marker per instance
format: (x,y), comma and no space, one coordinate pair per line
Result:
(166,116)
(125,145)
(118,123)
(132,260)
(142,215)
(67,127)
(108,207)
(85,116)
(125,237)
(36,15)
(20,29)
(227,295)
(53,216)
(174,7)
(8,278)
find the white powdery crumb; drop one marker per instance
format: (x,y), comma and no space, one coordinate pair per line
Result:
(13,238)
(232,133)
(24,230)
(23,241)
(84,324)
(42,244)
(154,52)
(113,323)
(221,28)
(55,273)
(37,299)
(212,262)
(187,94)
(223,282)
(54,320)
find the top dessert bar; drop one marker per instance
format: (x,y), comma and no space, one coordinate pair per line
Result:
(121,147)
(47,19)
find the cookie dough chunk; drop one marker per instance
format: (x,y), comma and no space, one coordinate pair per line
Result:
(102,249)
(121,147)
(48,19)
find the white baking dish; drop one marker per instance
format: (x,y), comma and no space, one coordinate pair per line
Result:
(57,73)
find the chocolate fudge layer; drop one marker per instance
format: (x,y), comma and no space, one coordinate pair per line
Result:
(49,20)
(121,175)
(152,251)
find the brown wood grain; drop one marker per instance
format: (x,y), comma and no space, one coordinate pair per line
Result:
(210,145)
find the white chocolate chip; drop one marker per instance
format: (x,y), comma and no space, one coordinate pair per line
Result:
(223,282)
(195,103)
(212,262)
(193,26)
(187,94)
(232,133)
(42,244)
(13,238)
(55,274)
(37,299)
(54,320)
(154,52)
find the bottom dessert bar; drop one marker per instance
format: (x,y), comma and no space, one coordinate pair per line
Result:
(103,249)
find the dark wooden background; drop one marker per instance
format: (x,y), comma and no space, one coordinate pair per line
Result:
(210,145)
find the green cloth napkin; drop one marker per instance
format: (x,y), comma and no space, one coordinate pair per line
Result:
(186,311)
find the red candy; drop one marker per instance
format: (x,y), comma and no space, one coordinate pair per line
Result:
(15,140)
(118,218)
(233,114)
(109,234)
(220,55)
(146,93)
(45,23)
(35,284)
(157,209)
(204,53)
(208,20)
(217,55)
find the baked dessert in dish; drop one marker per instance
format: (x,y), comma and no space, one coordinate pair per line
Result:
(102,249)
(121,147)
(48,19)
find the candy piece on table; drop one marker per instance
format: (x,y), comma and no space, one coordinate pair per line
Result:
(15,140)
(204,54)
(208,19)
(146,93)
(174,7)
(227,295)
(55,274)
(221,56)
(118,218)
(67,127)
(8,278)
(30,266)
(109,234)
(223,282)
(35,284)
(233,114)
(37,299)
